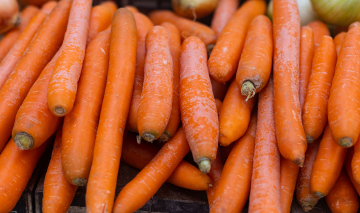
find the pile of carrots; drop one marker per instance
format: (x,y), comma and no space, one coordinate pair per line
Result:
(267,108)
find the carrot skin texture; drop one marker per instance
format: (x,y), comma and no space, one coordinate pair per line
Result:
(215,173)
(348,166)
(100,191)
(288,176)
(40,51)
(79,128)
(222,14)
(319,29)
(339,38)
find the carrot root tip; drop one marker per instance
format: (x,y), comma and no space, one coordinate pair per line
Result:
(209,49)
(23,140)
(299,162)
(345,142)
(59,111)
(204,164)
(165,136)
(148,137)
(309,139)
(319,194)
(248,89)
(79,182)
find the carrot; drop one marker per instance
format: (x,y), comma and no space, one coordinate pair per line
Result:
(339,38)
(344,104)
(197,104)
(304,195)
(219,89)
(343,196)
(327,166)
(48,6)
(306,58)
(143,25)
(234,116)
(288,176)
(348,160)
(26,15)
(111,5)
(223,13)
(157,93)
(132,8)
(58,193)
(16,168)
(79,129)
(256,58)
(224,58)
(218,105)
(139,190)
(355,163)
(175,46)
(215,174)
(316,101)
(40,51)
(63,83)
(233,187)
(187,27)
(319,29)
(289,131)
(100,191)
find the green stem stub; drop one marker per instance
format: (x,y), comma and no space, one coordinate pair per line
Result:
(248,89)
(148,137)
(204,164)
(23,140)
(79,182)
(345,142)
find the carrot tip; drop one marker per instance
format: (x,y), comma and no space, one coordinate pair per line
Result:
(59,111)
(248,89)
(319,194)
(204,164)
(23,140)
(165,136)
(345,142)
(79,182)
(148,137)
(209,49)
(299,162)
(309,139)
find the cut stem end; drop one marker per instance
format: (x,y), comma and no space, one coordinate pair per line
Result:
(165,136)
(59,111)
(204,165)
(319,194)
(148,137)
(23,140)
(309,139)
(79,182)
(345,142)
(248,89)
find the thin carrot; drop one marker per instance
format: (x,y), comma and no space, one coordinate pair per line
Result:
(290,134)
(343,196)
(233,187)
(327,166)
(288,176)
(355,163)
(79,128)
(319,29)
(100,191)
(234,116)
(197,104)
(58,193)
(224,11)
(344,103)
(215,174)
(40,51)
(256,58)
(339,38)
(132,8)
(316,101)
(138,191)
(48,6)
(219,89)
(348,160)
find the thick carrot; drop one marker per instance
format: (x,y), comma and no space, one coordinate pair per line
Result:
(16,168)
(256,58)
(48,6)
(63,83)
(197,104)
(175,46)
(355,163)
(79,129)
(316,101)
(288,176)
(327,166)
(138,191)
(290,134)
(233,187)
(339,38)
(187,27)
(215,174)
(224,11)
(225,55)
(58,193)
(344,103)
(348,161)
(100,191)
(306,58)
(132,8)
(40,51)
(143,25)
(157,93)
(319,29)
(343,196)
(234,116)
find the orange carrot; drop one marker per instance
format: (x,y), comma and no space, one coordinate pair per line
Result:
(26,15)
(344,103)
(355,163)
(339,38)
(348,161)
(218,105)
(131,8)
(100,191)
(215,174)
(234,116)
(197,104)
(233,187)
(111,5)
(290,134)
(256,58)
(48,6)
(219,89)
(223,13)
(224,58)
(58,193)
(63,83)
(288,176)
(40,51)
(79,129)
(319,29)
(138,191)
(327,166)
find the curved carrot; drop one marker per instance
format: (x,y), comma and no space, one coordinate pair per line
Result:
(100,191)
(344,102)
(138,191)
(58,193)
(40,51)
(224,11)
(290,134)
(348,161)
(327,166)
(132,8)
(48,6)
(197,104)
(214,174)
(79,128)
(306,58)
(316,101)
(63,83)
(225,55)
(339,38)
(319,29)
(187,27)
(157,93)
(256,58)
(234,115)
(143,25)
(233,187)
(219,89)
(288,176)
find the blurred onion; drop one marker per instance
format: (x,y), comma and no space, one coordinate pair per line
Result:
(9,14)
(194,8)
